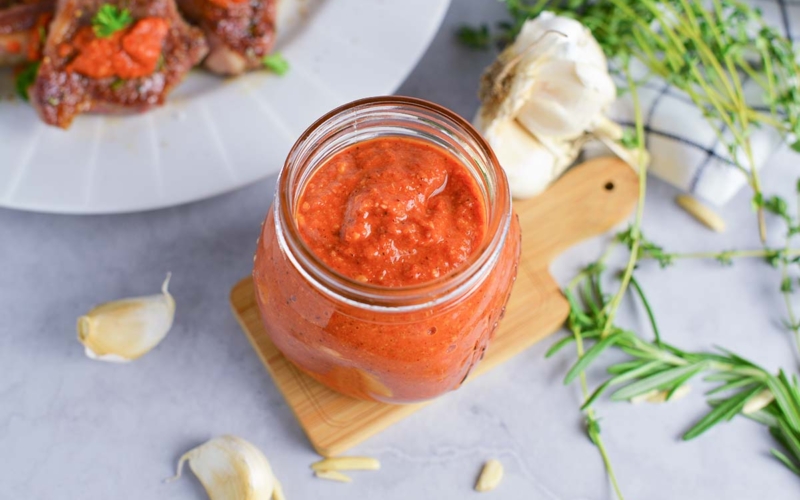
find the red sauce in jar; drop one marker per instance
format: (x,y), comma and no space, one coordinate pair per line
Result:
(392,212)
(129,53)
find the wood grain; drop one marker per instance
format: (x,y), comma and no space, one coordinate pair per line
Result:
(589,200)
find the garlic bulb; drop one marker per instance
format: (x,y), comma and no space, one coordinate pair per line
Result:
(542,98)
(126,329)
(231,468)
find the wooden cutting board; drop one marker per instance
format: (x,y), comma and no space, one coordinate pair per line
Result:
(589,200)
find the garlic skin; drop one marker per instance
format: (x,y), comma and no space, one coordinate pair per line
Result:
(231,468)
(542,98)
(126,329)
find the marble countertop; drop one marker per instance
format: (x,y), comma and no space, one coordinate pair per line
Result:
(75,428)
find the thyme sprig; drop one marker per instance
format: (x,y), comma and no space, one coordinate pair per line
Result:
(706,52)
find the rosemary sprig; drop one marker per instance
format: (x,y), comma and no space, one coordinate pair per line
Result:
(657,367)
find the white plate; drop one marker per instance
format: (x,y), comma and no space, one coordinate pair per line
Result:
(214,135)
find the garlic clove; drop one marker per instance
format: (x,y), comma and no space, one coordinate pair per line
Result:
(126,329)
(490,477)
(346,463)
(231,468)
(333,475)
(568,101)
(758,402)
(529,164)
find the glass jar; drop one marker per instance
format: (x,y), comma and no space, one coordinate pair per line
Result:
(389,344)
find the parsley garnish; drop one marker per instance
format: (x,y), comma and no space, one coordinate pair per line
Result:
(25,79)
(109,19)
(276,63)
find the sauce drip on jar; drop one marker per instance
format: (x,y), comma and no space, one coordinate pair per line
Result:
(392,211)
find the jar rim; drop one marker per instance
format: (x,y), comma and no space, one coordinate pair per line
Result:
(404,298)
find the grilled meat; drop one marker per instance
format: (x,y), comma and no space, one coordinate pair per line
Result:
(240,32)
(22,27)
(127,69)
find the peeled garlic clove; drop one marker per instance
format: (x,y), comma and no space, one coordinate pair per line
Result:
(346,463)
(126,329)
(758,402)
(231,468)
(490,477)
(333,475)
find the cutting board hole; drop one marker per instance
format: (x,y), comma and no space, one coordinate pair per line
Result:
(609,186)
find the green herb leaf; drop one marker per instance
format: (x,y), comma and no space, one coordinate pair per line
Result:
(657,381)
(474,38)
(25,79)
(763,417)
(625,366)
(788,437)
(276,63)
(629,139)
(641,371)
(109,19)
(785,402)
(559,345)
(722,412)
(785,461)
(589,356)
(593,429)
(735,384)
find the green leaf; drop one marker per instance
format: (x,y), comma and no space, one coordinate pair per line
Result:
(590,356)
(735,384)
(624,367)
(757,201)
(785,461)
(559,345)
(576,313)
(796,147)
(785,402)
(646,303)
(276,63)
(788,438)
(109,19)
(474,38)
(786,285)
(722,377)
(593,428)
(677,385)
(763,417)
(635,373)
(588,299)
(629,139)
(657,381)
(25,79)
(794,392)
(735,357)
(721,412)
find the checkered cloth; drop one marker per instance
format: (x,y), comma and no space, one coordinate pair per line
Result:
(684,149)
